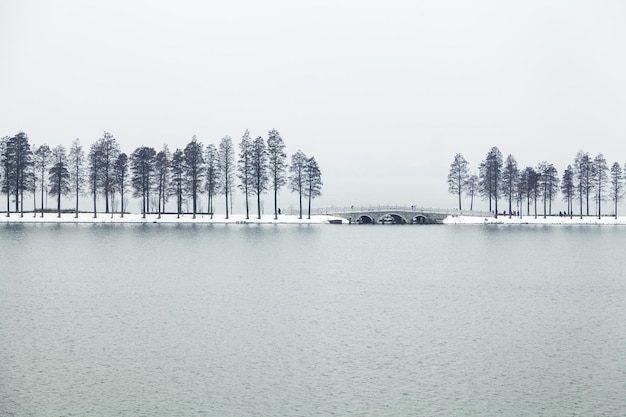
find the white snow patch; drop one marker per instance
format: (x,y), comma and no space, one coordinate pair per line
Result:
(549,220)
(167,218)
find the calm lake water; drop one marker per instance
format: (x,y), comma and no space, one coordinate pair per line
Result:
(248,320)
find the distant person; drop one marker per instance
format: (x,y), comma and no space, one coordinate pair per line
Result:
(278,211)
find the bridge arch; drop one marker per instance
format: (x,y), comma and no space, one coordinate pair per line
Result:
(392,218)
(365,219)
(420,219)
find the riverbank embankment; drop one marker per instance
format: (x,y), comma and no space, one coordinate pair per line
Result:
(104,218)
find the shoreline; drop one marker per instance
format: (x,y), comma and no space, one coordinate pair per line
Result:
(130,218)
(549,220)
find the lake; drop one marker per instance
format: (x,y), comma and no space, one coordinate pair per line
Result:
(307,320)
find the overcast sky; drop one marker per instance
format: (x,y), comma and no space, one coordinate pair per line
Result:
(383,94)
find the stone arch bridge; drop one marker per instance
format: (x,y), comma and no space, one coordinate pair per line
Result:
(392,214)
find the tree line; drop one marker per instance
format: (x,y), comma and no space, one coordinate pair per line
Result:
(184,175)
(587,181)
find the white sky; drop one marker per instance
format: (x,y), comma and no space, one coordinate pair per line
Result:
(382,94)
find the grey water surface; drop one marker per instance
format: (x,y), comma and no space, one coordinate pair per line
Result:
(312,320)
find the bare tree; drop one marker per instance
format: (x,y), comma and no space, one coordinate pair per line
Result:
(549,181)
(568,189)
(313,180)
(510,180)
(458,175)
(212,182)
(142,162)
(277,164)
(7,171)
(76,164)
(244,168)
(177,179)
(226,162)
(471,188)
(108,150)
(95,164)
(491,176)
(529,180)
(617,186)
(120,171)
(583,170)
(259,171)
(194,167)
(600,178)
(21,160)
(162,167)
(297,171)
(42,161)
(59,176)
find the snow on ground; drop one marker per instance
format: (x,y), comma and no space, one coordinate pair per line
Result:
(104,218)
(556,220)
(165,218)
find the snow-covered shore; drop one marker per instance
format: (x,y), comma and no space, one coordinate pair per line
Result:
(104,218)
(549,220)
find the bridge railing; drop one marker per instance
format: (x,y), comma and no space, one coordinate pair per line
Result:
(339,210)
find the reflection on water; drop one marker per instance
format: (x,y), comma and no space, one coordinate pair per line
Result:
(311,320)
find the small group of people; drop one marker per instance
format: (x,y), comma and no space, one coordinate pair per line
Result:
(515,213)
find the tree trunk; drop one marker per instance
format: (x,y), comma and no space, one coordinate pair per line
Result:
(106,188)
(571,207)
(177,202)
(94,203)
(275,202)
(159,202)
(581,204)
(194,197)
(42,179)
(550,205)
(226,194)
(247,208)
(17,196)
(510,202)
(300,200)
(495,197)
